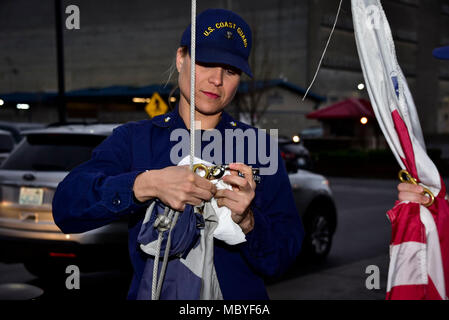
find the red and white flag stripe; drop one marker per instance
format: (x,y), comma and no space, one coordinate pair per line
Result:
(416,267)
(419,251)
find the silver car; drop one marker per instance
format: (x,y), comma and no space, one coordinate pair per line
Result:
(28,180)
(315,204)
(29,177)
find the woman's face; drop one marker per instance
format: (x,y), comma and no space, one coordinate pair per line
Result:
(215,84)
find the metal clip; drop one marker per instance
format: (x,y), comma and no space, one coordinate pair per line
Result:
(218,171)
(162,223)
(210,173)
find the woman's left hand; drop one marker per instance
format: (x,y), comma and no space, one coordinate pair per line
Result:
(238,199)
(412,192)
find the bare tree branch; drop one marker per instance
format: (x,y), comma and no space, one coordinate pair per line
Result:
(251,102)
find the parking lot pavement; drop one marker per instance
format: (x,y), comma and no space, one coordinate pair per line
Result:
(362,239)
(345,282)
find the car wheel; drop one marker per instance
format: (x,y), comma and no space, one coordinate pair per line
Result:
(318,233)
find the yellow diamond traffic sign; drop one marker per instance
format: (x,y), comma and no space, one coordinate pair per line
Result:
(156,106)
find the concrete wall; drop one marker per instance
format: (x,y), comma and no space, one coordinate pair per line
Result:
(133,43)
(418,27)
(286,112)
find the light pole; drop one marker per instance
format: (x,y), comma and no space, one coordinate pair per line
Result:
(62,111)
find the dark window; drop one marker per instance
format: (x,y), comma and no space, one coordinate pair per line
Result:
(6,143)
(52,152)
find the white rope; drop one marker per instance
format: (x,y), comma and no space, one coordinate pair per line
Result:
(155,266)
(324,52)
(192,84)
(157,283)
(166,253)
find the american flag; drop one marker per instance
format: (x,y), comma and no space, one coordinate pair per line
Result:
(419,248)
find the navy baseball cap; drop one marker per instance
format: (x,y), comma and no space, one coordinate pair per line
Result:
(221,37)
(441,53)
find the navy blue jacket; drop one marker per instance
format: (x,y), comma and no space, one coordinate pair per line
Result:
(99,191)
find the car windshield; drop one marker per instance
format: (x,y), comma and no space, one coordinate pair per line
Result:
(52,152)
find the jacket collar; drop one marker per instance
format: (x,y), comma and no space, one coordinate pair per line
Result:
(173,120)
(169,119)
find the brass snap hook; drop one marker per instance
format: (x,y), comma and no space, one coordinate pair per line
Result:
(212,172)
(201,170)
(218,171)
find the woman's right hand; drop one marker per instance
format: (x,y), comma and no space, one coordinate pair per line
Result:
(175,186)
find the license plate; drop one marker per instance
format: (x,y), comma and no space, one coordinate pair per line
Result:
(31,196)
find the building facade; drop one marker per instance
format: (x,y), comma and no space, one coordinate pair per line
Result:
(133,43)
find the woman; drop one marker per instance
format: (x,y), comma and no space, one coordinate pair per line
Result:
(132,168)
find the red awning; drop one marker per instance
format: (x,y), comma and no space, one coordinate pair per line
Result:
(351,108)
